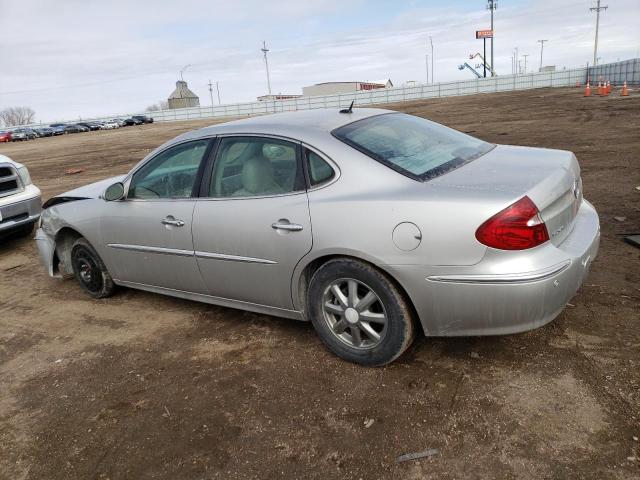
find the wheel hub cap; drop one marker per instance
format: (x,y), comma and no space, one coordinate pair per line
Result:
(85,272)
(351,314)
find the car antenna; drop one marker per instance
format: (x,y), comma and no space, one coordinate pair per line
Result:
(348,110)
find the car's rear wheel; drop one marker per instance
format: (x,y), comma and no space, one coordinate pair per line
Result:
(359,314)
(90,271)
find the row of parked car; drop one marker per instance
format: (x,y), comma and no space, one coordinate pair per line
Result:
(29,133)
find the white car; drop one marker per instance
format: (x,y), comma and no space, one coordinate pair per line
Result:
(109,125)
(20,202)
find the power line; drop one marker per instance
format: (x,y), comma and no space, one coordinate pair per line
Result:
(595,46)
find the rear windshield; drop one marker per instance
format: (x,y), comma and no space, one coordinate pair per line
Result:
(413,146)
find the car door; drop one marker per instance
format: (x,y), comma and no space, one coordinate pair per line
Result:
(147,236)
(252,226)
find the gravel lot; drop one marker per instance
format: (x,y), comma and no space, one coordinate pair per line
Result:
(142,386)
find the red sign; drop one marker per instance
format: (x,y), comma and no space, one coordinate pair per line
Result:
(484,33)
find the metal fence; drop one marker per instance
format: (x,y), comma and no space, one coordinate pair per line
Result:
(618,72)
(403,93)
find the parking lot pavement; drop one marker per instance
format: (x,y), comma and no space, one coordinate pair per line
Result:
(144,386)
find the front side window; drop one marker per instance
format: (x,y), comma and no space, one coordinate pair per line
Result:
(171,174)
(413,146)
(255,166)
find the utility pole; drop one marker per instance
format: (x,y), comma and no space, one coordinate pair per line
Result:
(492,5)
(516,61)
(541,42)
(595,47)
(218,90)
(431,41)
(525,62)
(264,50)
(211,91)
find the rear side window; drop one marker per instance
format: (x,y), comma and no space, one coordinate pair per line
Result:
(319,170)
(413,146)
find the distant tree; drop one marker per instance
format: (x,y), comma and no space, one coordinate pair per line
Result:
(17,116)
(161,105)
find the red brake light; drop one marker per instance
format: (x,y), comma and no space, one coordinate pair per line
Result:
(517,227)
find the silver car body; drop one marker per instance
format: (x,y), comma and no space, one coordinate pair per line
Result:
(420,233)
(20,203)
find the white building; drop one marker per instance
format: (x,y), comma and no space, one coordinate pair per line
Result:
(332,88)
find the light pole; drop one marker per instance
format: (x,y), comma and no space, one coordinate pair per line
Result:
(264,50)
(182,71)
(427,65)
(431,41)
(541,50)
(525,62)
(218,90)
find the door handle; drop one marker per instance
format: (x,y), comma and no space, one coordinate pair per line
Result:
(172,221)
(289,227)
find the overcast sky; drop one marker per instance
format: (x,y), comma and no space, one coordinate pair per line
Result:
(79,58)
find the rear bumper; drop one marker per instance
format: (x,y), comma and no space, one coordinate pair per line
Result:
(24,210)
(494,298)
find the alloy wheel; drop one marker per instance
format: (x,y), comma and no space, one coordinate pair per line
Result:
(354,313)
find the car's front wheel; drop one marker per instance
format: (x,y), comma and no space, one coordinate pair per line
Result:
(359,314)
(90,271)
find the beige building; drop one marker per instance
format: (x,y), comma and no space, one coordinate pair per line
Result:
(182,97)
(333,88)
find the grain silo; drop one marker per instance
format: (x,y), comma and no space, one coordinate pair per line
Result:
(182,97)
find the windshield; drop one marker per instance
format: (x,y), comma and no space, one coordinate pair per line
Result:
(413,146)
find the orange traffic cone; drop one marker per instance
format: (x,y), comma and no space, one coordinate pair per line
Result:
(625,92)
(608,87)
(587,90)
(600,90)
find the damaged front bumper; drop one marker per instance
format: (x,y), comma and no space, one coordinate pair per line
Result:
(46,248)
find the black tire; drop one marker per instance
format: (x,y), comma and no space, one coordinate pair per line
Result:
(395,336)
(90,271)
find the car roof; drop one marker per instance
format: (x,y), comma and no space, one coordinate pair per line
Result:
(322,119)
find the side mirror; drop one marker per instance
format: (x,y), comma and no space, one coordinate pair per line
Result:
(114,192)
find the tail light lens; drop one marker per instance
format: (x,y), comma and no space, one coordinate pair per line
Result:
(517,227)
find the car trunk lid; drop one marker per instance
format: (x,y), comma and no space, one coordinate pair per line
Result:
(550,178)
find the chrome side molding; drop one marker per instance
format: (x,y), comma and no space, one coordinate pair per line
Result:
(503,278)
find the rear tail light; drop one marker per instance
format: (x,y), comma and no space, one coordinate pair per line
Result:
(517,227)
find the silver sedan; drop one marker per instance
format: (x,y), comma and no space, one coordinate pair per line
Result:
(369,223)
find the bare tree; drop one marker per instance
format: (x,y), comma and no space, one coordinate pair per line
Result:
(161,105)
(17,116)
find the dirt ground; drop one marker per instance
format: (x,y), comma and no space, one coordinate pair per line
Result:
(142,386)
